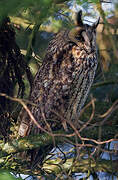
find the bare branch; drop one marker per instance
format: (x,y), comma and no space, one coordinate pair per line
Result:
(27,110)
(92,115)
(109,110)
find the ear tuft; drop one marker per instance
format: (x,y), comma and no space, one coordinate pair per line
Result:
(79,18)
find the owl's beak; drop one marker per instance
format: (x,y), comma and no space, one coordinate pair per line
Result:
(86,38)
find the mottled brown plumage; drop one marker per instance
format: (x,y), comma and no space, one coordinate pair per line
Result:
(62,83)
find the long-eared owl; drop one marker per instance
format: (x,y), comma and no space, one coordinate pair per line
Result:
(62,83)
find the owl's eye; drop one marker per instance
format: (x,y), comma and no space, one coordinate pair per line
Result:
(80,38)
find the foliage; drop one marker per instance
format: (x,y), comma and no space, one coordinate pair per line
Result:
(40,9)
(34,22)
(4,175)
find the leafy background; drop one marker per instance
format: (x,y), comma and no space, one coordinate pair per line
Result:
(35,22)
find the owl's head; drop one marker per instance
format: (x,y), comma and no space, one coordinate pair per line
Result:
(84,34)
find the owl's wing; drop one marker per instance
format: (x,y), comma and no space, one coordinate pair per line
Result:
(51,86)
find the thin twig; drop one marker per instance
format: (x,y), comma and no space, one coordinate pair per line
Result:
(104,83)
(109,110)
(92,115)
(83,109)
(61,135)
(27,110)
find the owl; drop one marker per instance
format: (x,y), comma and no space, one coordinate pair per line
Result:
(63,81)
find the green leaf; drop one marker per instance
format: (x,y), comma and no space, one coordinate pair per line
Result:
(4,175)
